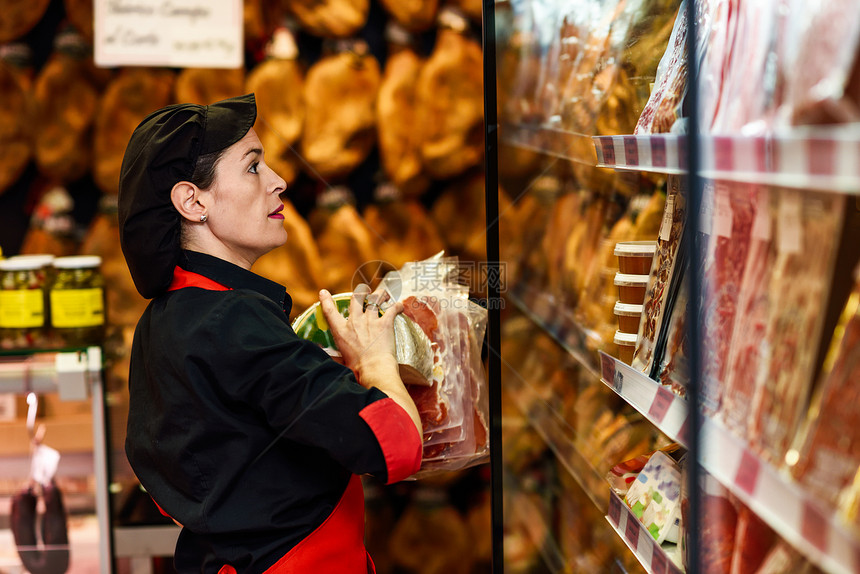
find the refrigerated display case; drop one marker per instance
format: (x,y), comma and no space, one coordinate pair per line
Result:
(752,203)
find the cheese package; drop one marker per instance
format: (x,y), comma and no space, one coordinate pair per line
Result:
(655,496)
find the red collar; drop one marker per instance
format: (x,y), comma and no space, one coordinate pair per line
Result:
(183,279)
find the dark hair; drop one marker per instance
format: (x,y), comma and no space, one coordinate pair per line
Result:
(204,169)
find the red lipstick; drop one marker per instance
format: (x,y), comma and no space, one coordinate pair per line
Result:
(277,213)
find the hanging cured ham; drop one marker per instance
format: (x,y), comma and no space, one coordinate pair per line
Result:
(66,96)
(133,94)
(415,15)
(19,16)
(15,123)
(296,264)
(207,85)
(277,83)
(340,99)
(330,18)
(406,231)
(398,116)
(451,101)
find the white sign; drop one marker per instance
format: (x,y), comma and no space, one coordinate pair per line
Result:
(170,33)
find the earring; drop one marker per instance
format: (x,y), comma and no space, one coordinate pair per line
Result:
(203,218)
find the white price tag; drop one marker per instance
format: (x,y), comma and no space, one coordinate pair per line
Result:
(668,217)
(761,224)
(44,464)
(722,212)
(790,222)
(706,220)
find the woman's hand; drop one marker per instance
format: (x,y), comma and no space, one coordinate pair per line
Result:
(366,342)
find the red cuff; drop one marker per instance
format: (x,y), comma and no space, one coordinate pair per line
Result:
(397,436)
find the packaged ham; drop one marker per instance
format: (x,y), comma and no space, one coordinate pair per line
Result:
(451,100)
(277,83)
(747,355)
(330,18)
(670,83)
(398,114)
(340,109)
(663,281)
(828,89)
(753,541)
(296,264)
(730,232)
(132,95)
(826,452)
(16,117)
(346,243)
(717,31)
(406,231)
(674,371)
(66,98)
(719,530)
(807,232)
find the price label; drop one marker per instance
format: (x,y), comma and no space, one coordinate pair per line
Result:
(658,152)
(659,562)
(631,531)
(631,151)
(813,526)
(723,154)
(746,477)
(614,509)
(790,222)
(607,367)
(760,154)
(822,154)
(684,431)
(608,151)
(661,403)
(668,218)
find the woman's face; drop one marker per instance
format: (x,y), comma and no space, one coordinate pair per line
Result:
(245,208)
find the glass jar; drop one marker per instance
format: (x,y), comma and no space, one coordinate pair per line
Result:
(24,314)
(77,297)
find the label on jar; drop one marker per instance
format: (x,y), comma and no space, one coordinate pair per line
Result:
(22,309)
(77,308)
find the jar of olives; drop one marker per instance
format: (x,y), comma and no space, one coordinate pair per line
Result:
(77,297)
(24,314)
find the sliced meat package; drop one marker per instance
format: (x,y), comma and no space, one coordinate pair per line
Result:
(753,542)
(663,280)
(398,116)
(277,83)
(670,84)
(330,18)
(296,264)
(731,228)
(345,241)
(66,101)
(827,48)
(451,101)
(808,227)
(747,354)
(718,22)
(340,110)
(132,95)
(674,369)
(826,453)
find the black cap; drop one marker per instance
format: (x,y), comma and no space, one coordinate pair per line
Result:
(163,151)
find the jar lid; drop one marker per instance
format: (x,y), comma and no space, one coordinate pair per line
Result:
(626,280)
(636,248)
(626,339)
(628,310)
(78,262)
(26,262)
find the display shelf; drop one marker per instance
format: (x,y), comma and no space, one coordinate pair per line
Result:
(657,403)
(794,513)
(824,158)
(558,323)
(653,557)
(557,435)
(552,141)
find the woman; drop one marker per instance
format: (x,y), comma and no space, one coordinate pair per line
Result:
(249,437)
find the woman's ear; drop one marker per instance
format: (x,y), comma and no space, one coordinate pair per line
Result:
(186,199)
